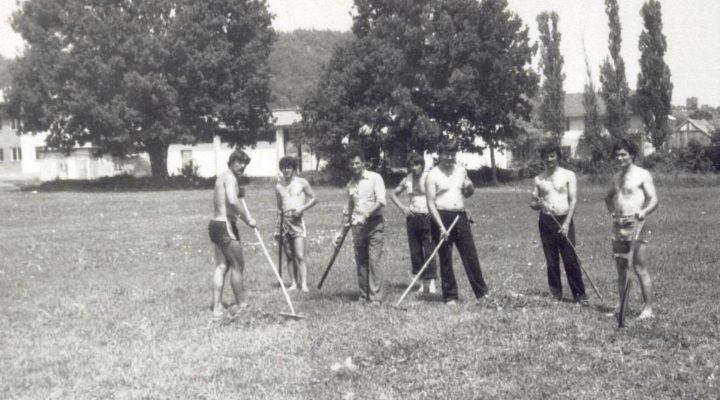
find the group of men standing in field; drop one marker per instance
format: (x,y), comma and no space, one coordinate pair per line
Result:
(436,215)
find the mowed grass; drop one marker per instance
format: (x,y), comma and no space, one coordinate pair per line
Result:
(107,295)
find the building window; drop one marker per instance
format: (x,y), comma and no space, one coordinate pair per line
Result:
(13,123)
(39,150)
(16,154)
(567,124)
(2,156)
(186,157)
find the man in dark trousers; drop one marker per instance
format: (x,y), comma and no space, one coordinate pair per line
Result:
(555,196)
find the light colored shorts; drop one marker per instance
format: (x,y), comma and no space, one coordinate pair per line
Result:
(624,229)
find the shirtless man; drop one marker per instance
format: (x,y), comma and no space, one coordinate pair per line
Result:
(446,186)
(294,196)
(629,200)
(224,233)
(555,196)
(417,221)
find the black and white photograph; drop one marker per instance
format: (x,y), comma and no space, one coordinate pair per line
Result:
(359,199)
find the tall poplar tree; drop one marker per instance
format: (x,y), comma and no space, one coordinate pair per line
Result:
(552,112)
(615,91)
(654,88)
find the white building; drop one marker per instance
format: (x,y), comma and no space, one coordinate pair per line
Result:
(25,157)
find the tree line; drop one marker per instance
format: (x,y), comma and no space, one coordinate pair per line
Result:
(136,76)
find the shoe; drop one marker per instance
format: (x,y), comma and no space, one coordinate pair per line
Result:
(647,313)
(614,313)
(431,287)
(451,302)
(421,288)
(583,301)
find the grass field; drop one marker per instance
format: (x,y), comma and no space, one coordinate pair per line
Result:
(107,295)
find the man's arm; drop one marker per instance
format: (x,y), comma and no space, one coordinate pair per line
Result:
(310,199)
(231,198)
(394,197)
(278,200)
(535,202)
(467,186)
(431,195)
(651,203)
(346,220)
(572,202)
(609,197)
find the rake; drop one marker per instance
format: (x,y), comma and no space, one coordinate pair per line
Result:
(292,313)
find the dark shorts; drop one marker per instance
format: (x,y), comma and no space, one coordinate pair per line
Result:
(223,232)
(294,227)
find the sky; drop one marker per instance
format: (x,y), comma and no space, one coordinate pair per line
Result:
(692,28)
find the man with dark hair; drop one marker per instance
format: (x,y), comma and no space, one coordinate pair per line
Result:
(629,200)
(224,232)
(446,186)
(294,196)
(366,199)
(417,220)
(555,196)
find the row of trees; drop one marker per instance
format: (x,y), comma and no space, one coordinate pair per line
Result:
(654,88)
(134,76)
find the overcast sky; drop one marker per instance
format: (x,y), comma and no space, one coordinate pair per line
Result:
(692,28)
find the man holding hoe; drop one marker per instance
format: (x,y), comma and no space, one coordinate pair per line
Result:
(366,199)
(629,200)
(294,196)
(224,232)
(446,187)
(555,196)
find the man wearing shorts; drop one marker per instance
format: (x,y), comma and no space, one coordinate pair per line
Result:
(294,196)
(417,221)
(224,233)
(446,187)
(629,200)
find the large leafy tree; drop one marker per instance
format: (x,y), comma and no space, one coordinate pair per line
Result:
(552,111)
(131,76)
(417,68)
(614,87)
(654,88)
(374,91)
(489,76)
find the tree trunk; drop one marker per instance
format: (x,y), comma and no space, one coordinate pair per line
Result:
(158,152)
(493,167)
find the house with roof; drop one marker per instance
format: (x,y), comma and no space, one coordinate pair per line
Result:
(573,141)
(27,157)
(698,130)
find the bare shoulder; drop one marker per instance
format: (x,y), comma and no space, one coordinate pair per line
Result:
(568,174)
(302,181)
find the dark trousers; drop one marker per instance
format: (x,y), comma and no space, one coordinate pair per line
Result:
(555,246)
(462,237)
(421,244)
(368,243)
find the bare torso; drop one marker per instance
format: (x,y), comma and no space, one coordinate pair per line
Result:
(222,211)
(448,188)
(629,193)
(552,188)
(292,193)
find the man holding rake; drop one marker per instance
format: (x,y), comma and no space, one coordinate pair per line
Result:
(224,232)
(294,196)
(364,213)
(629,200)
(555,196)
(446,187)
